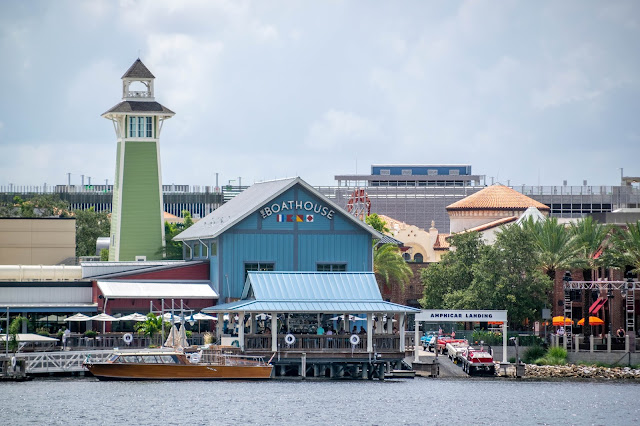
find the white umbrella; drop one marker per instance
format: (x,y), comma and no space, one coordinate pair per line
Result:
(78,317)
(104,318)
(204,317)
(167,316)
(201,317)
(134,317)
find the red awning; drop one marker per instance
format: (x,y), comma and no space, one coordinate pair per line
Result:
(597,305)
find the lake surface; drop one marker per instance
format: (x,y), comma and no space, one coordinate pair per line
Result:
(86,401)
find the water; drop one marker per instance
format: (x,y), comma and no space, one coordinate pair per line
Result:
(86,401)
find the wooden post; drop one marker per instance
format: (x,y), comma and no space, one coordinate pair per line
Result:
(609,342)
(591,343)
(504,342)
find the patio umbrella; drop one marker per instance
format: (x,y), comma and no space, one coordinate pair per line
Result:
(202,317)
(560,320)
(592,321)
(167,316)
(104,318)
(134,317)
(78,317)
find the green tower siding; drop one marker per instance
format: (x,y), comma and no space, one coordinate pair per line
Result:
(115,203)
(141,219)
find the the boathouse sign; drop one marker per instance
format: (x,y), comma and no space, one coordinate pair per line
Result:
(460,315)
(288,207)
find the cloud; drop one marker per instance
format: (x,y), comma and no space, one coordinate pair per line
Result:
(339,128)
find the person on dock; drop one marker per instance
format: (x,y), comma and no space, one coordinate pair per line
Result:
(66,334)
(320,330)
(620,332)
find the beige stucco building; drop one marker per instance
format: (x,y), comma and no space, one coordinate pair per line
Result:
(422,245)
(37,241)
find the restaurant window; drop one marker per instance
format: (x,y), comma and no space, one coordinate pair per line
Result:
(331,267)
(259,266)
(418,257)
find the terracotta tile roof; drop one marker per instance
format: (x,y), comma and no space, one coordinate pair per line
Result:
(490,225)
(497,197)
(441,242)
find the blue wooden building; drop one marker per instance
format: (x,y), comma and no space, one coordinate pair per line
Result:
(280,225)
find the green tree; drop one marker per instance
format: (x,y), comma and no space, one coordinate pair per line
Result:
(625,247)
(507,276)
(104,255)
(377,223)
(476,276)
(453,273)
(89,226)
(389,264)
(49,205)
(554,245)
(590,239)
(15,327)
(151,326)
(173,249)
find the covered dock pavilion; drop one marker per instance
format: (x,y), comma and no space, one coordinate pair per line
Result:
(294,304)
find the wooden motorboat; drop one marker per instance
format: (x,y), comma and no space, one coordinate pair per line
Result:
(175,365)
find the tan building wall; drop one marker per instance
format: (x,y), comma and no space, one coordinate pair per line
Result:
(37,241)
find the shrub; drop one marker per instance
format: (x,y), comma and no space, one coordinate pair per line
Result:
(188,333)
(532,354)
(512,360)
(42,331)
(557,352)
(90,333)
(554,356)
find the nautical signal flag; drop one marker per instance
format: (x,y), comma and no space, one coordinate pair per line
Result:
(294,218)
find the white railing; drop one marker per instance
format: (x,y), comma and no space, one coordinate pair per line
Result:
(60,362)
(138,94)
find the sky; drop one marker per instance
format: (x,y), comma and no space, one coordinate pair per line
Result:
(526,92)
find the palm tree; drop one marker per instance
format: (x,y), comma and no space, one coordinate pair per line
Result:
(389,264)
(556,248)
(151,326)
(590,239)
(626,247)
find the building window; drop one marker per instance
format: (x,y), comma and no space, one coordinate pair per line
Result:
(406,172)
(332,267)
(406,256)
(418,257)
(385,172)
(432,172)
(454,172)
(140,127)
(261,266)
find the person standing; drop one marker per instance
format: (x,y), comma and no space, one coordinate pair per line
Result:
(66,335)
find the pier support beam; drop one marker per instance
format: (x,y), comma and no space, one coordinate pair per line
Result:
(401,327)
(274,332)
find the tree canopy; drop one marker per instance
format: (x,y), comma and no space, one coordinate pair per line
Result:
(89,226)
(389,264)
(477,276)
(377,223)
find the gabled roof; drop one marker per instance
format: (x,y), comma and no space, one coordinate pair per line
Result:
(497,197)
(532,213)
(250,200)
(140,106)
(311,292)
(442,243)
(138,70)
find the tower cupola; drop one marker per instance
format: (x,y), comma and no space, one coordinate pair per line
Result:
(137,83)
